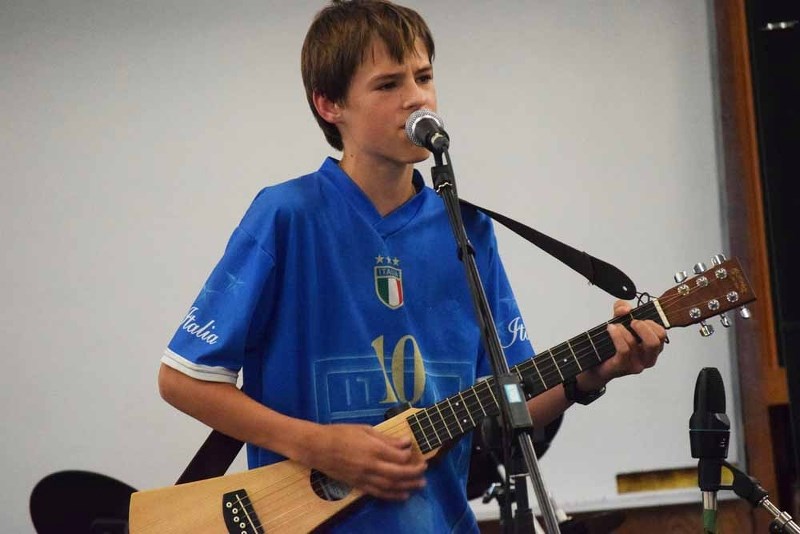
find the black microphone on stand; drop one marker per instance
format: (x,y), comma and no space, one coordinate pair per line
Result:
(709,432)
(426,129)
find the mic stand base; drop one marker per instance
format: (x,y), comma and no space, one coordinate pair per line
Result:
(783,522)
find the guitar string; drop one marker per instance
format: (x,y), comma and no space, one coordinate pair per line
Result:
(584,356)
(296,477)
(464,396)
(287,480)
(210,521)
(550,371)
(459,430)
(422,424)
(465,399)
(394,429)
(579,354)
(250,506)
(546,369)
(582,353)
(398,428)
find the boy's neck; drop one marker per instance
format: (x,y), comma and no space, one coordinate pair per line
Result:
(388,186)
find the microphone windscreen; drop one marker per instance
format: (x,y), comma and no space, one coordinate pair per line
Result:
(709,391)
(414,120)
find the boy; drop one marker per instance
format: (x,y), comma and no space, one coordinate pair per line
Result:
(340,294)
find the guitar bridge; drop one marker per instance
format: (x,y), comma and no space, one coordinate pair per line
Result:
(240,518)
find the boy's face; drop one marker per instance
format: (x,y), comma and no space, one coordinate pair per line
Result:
(382,94)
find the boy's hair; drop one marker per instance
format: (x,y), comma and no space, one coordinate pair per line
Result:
(339,40)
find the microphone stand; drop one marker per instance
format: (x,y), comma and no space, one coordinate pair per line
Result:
(749,489)
(516,419)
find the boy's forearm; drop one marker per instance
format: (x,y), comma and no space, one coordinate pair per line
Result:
(227,409)
(545,408)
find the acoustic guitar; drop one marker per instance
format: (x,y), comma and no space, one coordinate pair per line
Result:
(289,497)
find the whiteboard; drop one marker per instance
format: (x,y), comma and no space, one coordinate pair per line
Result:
(135,135)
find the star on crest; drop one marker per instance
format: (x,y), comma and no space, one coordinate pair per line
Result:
(387,260)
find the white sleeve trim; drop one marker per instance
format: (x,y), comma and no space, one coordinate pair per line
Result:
(200,372)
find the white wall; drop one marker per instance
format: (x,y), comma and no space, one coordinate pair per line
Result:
(134,135)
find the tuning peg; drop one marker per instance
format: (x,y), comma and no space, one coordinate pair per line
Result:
(706,329)
(744,312)
(699,268)
(724,320)
(718,259)
(680,276)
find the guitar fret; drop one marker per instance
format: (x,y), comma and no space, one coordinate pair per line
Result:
(489,387)
(597,353)
(475,392)
(556,364)
(483,399)
(461,428)
(585,352)
(573,355)
(443,421)
(607,350)
(569,366)
(527,383)
(467,408)
(433,427)
(416,423)
(535,366)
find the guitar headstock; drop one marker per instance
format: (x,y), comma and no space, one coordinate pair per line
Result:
(709,293)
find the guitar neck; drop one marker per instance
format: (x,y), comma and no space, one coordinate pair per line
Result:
(454,416)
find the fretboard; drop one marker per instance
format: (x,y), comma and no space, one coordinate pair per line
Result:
(454,416)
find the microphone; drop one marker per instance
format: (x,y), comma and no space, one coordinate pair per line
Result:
(709,432)
(426,129)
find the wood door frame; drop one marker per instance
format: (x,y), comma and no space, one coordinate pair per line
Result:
(762,382)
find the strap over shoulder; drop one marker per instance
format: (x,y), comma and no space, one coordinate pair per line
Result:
(599,273)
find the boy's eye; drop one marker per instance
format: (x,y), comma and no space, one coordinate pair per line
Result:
(387,86)
(427,78)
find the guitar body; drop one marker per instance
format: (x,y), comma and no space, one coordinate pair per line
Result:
(282,497)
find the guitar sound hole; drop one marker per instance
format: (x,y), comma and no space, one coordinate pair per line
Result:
(328,488)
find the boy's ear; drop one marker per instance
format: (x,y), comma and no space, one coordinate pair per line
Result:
(328,109)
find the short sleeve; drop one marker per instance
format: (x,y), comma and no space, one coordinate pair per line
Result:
(508,320)
(210,342)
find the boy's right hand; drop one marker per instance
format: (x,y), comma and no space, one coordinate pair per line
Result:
(383,466)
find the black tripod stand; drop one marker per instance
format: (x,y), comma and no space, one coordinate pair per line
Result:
(489,480)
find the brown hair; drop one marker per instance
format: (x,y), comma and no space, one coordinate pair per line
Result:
(340,37)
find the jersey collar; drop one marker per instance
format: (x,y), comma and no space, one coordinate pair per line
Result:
(353,194)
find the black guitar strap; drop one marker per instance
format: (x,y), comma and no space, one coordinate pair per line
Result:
(219,450)
(212,459)
(599,273)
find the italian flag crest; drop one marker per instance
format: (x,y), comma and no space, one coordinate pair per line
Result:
(389,285)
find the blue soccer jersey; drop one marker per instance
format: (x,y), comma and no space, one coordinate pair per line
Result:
(335,314)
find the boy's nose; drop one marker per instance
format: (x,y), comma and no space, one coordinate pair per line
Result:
(418,97)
